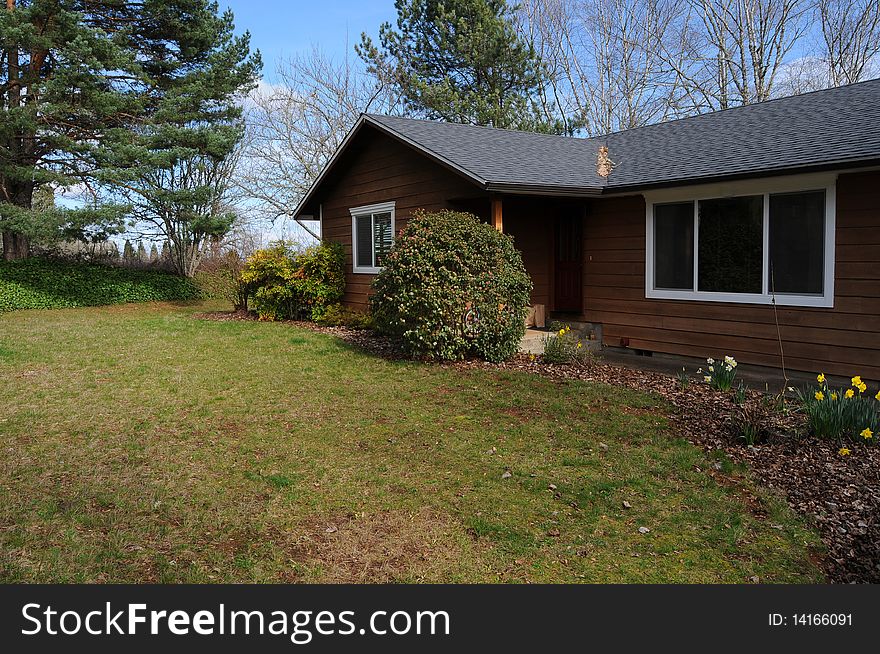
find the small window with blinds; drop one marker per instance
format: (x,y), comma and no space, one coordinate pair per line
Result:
(372,236)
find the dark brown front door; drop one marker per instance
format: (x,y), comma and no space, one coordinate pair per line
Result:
(569,265)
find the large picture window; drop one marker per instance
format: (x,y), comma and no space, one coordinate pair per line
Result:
(743,247)
(372,236)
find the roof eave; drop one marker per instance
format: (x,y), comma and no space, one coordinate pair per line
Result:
(841,164)
(309,195)
(542,189)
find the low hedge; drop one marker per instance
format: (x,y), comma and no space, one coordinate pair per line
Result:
(39,283)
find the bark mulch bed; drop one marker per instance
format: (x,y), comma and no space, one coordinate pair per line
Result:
(840,494)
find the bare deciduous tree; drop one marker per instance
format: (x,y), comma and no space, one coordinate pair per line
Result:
(851,38)
(551,28)
(296,124)
(633,87)
(802,75)
(730,52)
(604,70)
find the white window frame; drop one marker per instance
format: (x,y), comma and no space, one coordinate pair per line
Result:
(368,210)
(765,187)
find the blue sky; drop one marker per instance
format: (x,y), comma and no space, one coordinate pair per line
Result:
(281,28)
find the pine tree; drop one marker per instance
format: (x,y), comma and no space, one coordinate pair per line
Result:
(176,171)
(92,91)
(67,86)
(460,61)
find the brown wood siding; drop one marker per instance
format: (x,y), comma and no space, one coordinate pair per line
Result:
(530,223)
(377,168)
(841,340)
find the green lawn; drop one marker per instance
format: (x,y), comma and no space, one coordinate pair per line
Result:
(138,443)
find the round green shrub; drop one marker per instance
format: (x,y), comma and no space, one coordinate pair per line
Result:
(452,287)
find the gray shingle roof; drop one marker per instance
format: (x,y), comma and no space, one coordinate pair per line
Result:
(821,129)
(501,156)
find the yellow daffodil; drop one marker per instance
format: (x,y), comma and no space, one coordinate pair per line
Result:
(850,392)
(877,397)
(820,395)
(862,387)
(562,332)
(834,396)
(580,345)
(821,378)
(867,433)
(843,451)
(856,380)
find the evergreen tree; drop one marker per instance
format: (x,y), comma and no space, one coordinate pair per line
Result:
(128,252)
(460,61)
(67,86)
(101,92)
(176,171)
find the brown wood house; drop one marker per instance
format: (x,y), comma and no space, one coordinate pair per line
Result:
(688,237)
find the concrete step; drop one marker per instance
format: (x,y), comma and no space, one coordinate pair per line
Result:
(533,341)
(587,331)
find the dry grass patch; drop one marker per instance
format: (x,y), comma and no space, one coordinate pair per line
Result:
(385,547)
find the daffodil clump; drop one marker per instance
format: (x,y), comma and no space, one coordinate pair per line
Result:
(563,347)
(845,414)
(720,374)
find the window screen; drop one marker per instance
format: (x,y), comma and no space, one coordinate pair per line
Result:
(382,236)
(364,228)
(674,246)
(797,243)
